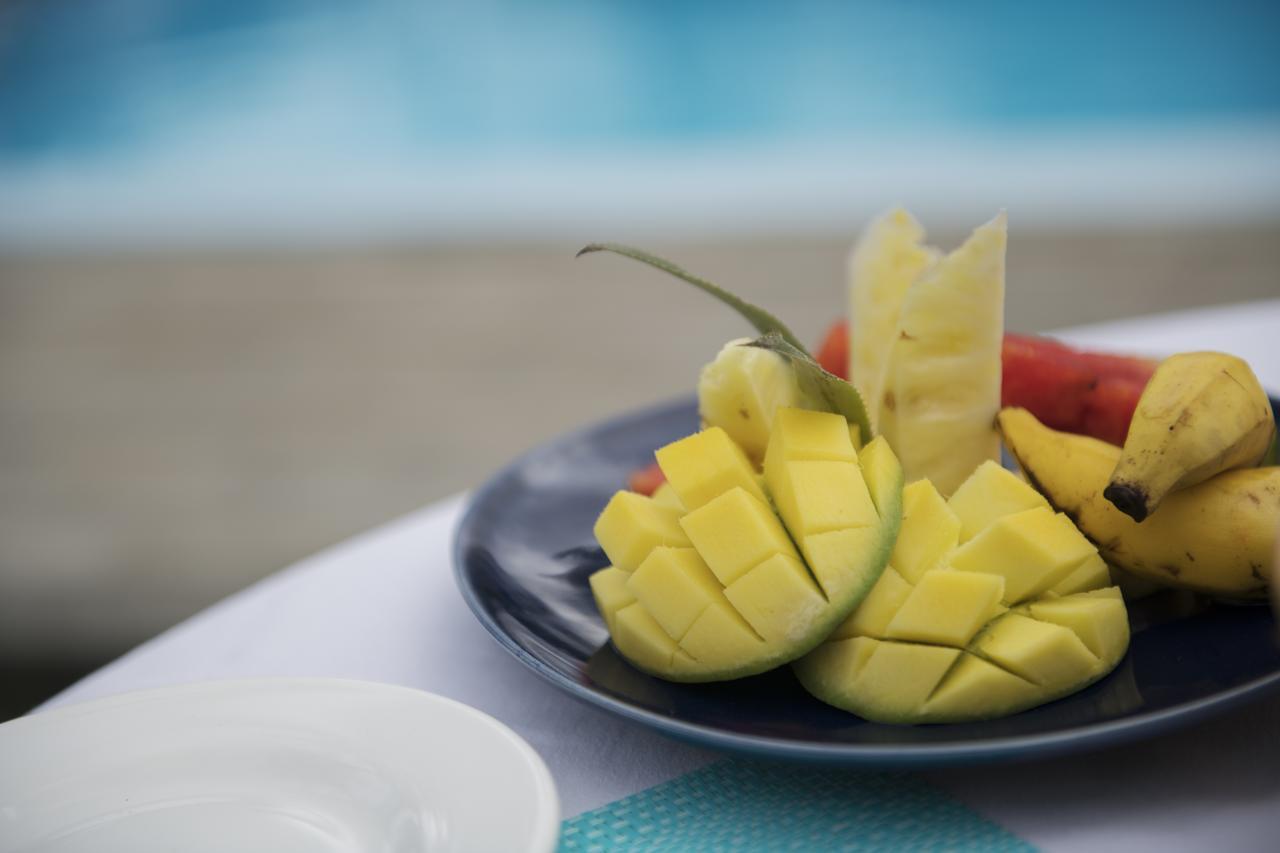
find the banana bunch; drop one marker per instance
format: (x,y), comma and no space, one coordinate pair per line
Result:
(1216,536)
(1201,414)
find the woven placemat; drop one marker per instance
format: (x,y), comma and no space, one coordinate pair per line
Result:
(740,805)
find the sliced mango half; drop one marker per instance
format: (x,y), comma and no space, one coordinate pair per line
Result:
(733,573)
(991,604)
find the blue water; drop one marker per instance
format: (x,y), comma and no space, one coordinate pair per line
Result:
(85,79)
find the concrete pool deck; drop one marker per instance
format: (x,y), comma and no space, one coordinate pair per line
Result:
(175,426)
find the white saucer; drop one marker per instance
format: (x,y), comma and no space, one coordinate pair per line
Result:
(273,764)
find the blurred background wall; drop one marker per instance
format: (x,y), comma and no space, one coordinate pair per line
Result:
(274,272)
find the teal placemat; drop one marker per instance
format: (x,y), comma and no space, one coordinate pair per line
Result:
(739,805)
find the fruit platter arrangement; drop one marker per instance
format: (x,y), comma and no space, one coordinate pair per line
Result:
(847,514)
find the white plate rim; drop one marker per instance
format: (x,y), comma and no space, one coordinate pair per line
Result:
(544,836)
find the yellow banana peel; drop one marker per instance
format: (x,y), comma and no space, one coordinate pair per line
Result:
(1201,414)
(1216,537)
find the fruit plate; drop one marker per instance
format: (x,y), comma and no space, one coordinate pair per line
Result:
(524,549)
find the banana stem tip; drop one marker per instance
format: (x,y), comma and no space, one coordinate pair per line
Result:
(1130,500)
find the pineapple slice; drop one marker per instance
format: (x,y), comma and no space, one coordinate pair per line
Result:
(939,391)
(1018,615)
(742,389)
(756,575)
(888,258)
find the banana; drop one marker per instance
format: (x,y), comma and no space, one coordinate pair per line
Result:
(1201,414)
(1215,537)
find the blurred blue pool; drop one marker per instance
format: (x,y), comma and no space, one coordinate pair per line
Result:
(294,91)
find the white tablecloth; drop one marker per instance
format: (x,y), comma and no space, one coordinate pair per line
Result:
(383,607)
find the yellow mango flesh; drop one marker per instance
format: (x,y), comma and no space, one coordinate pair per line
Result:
(1040,652)
(648,645)
(1019,614)
(883,475)
(946,608)
(1093,573)
(1031,550)
(1096,619)
(991,492)
(735,595)
(722,639)
(873,615)
(736,532)
(609,586)
(934,531)
(675,586)
(778,598)
(706,465)
(632,525)
(978,684)
(667,496)
(838,559)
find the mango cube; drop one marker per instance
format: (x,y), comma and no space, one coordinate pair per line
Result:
(840,662)
(667,496)
(632,525)
(947,608)
(1093,573)
(904,675)
(736,532)
(877,610)
(1032,550)
(721,637)
(801,435)
(1040,652)
(1100,622)
(930,531)
(778,598)
(835,557)
(609,587)
(816,497)
(882,473)
(675,586)
(991,492)
(976,688)
(643,638)
(886,679)
(705,465)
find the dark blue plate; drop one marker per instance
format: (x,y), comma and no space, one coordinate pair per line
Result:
(524,550)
